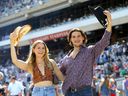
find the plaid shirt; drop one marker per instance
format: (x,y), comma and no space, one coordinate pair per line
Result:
(79,71)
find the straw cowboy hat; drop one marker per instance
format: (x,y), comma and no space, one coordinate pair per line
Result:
(21,31)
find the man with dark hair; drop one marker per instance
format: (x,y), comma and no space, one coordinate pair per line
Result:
(15,87)
(77,65)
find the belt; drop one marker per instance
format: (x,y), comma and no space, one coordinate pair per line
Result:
(72,90)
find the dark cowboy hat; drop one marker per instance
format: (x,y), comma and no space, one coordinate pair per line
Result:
(98,12)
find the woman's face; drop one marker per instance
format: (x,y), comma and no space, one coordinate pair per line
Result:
(39,50)
(77,39)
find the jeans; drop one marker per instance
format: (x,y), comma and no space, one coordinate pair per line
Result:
(126,92)
(44,91)
(86,91)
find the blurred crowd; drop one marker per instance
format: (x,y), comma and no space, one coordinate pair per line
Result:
(8,7)
(56,18)
(114,60)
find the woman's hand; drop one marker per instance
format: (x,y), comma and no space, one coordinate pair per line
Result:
(13,37)
(18,33)
(109,21)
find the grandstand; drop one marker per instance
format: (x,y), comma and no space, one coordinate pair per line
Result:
(51,20)
(47,23)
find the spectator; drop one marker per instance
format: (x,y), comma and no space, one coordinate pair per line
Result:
(126,85)
(1,86)
(104,86)
(15,87)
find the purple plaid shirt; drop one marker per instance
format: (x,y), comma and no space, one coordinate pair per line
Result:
(79,71)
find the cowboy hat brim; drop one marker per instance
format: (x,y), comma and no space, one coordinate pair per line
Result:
(98,12)
(21,31)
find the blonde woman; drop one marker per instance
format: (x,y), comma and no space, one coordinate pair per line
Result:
(39,66)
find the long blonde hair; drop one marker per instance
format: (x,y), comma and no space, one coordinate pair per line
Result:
(32,58)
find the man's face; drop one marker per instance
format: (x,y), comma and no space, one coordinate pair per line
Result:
(77,39)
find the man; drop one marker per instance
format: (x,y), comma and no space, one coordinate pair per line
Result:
(15,88)
(77,65)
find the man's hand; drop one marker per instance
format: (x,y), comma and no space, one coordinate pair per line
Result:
(109,21)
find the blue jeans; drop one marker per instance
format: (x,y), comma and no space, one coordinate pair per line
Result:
(86,91)
(126,92)
(44,91)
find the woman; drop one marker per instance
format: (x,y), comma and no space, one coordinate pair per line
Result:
(39,66)
(104,86)
(113,87)
(77,65)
